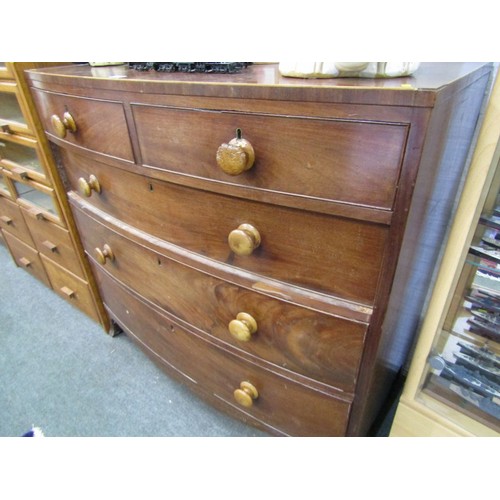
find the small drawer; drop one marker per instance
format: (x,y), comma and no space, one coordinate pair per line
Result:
(347,161)
(70,287)
(301,340)
(27,258)
(53,241)
(12,221)
(282,405)
(89,123)
(311,250)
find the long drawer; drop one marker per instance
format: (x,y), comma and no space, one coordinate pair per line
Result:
(319,346)
(93,124)
(282,406)
(348,161)
(311,250)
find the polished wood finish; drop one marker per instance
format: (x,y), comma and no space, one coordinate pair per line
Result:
(37,204)
(309,233)
(282,404)
(288,237)
(95,125)
(321,346)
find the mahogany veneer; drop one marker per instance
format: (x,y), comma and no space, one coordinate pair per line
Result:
(279,291)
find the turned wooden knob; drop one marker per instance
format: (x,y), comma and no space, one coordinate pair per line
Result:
(104,254)
(243,327)
(235,157)
(244,240)
(87,186)
(246,394)
(61,126)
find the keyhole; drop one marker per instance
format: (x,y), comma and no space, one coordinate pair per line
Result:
(238,133)
(150,187)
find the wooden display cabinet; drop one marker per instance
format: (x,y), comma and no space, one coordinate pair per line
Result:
(35,220)
(453,385)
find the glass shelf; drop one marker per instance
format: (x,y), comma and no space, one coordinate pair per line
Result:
(36,198)
(463,369)
(13,155)
(4,190)
(10,111)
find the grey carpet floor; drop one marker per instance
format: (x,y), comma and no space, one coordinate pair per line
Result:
(60,371)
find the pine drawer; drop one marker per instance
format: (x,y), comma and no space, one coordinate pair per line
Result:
(12,221)
(53,241)
(71,288)
(27,258)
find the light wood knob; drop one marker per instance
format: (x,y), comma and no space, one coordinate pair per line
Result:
(104,254)
(243,327)
(87,186)
(244,240)
(68,292)
(50,246)
(237,156)
(62,126)
(246,394)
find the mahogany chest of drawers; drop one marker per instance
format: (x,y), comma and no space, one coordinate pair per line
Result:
(268,241)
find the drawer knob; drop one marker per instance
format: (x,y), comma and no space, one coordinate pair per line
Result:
(104,254)
(68,292)
(24,262)
(237,156)
(243,327)
(244,240)
(50,246)
(87,186)
(62,126)
(246,394)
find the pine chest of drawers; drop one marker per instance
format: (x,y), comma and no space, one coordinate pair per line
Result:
(268,241)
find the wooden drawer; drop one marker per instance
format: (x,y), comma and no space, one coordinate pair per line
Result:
(348,161)
(70,287)
(284,405)
(319,346)
(27,258)
(53,241)
(11,219)
(100,125)
(311,250)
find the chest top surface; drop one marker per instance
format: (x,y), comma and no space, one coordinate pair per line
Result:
(264,81)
